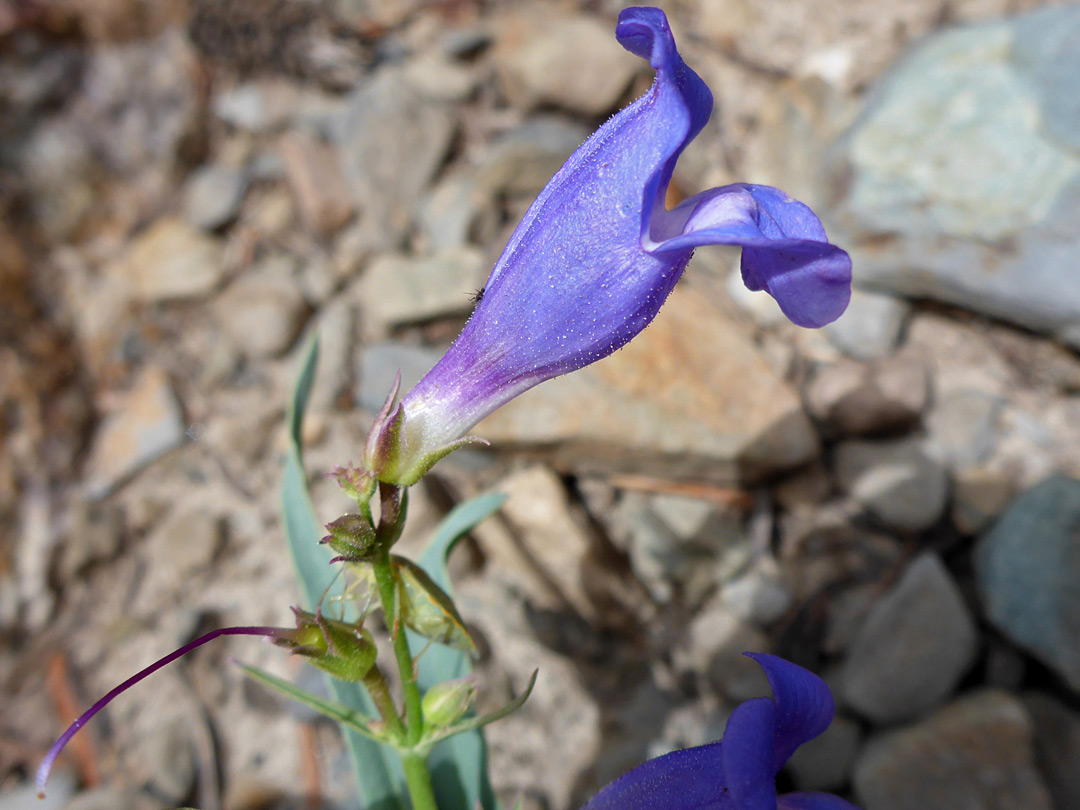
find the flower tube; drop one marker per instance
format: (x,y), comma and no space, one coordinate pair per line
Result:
(597,254)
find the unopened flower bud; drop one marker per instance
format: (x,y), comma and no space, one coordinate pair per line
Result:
(352,537)
(356,482)
(447,702)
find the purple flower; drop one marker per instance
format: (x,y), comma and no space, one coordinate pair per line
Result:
(597,254)
(739,772)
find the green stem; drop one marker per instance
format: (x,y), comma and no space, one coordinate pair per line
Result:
(418,780)
(384,578)
(377,687)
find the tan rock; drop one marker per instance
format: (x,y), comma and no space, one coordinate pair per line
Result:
(543,552)
(573,62)
(690,398)
(315,176)
(399,289)
(976,753)
(147,424)
(263,310)
(171,260)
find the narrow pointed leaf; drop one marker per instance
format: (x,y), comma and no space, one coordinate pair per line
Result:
(355,720)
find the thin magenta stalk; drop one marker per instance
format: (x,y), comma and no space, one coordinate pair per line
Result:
(50,758)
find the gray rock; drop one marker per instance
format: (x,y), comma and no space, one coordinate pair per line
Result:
(440,79)
(391,142)
(713,648)
(759,595)
(821,547)
(693,519)
(521,162)
(169,757)
(1044,49)
(678,541)
(107,797)
(140,103)
(915,645)
(1027,566)
(378,365)
(975,753)
(56,162)
(399,289)
(185,542)
(870,326)
(560,707)
(962,427)
(570,61)
(955,156)
(263,310)
(847,612)
(453,210)
(656,557)
(709,406)
(896,481)
(61,791)
(825,762)
(257,106)
(464,207)
(546,555)
(355,247)
(146,424)
(1057,747)
(853,399)
(96,533)
(212,196)
(334,380)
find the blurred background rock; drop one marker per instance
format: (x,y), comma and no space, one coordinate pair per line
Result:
(189,189)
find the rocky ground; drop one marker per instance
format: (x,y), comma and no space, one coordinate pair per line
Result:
(191,189)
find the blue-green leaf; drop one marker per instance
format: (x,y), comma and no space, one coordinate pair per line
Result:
(380,780)
(335,711)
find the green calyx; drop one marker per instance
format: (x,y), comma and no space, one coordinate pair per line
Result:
(346,651)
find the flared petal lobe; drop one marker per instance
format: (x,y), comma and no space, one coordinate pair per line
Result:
(804,705)
(596,256)
(785,250)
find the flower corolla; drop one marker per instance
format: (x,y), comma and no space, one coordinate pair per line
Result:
(597,254)
(738,772)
